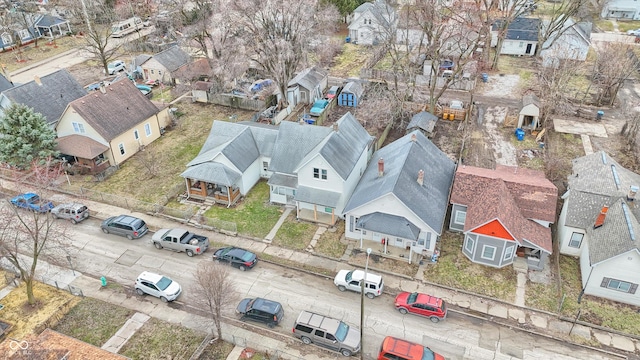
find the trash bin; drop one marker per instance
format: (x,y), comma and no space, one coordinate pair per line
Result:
(485,77)
(347,39)
(599,115)
(520,134)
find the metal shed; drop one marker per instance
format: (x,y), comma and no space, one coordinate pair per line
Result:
(350,94)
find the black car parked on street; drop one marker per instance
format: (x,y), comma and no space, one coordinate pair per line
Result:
(261,310)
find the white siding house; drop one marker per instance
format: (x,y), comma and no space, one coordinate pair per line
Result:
(599,224)
(621,9)
(520,37)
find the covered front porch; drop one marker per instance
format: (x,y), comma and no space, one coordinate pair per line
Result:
(213,183)
(394,235)
(282,189)
(317,205)
(52,27)
(84,155)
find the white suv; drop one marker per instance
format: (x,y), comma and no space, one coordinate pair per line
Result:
(158,286)
(350,280)
(116,66)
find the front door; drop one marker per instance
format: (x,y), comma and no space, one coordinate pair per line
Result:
(528,48)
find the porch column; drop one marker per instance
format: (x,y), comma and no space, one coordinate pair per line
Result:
(333,221)
(229,196)
(188,187)
(315,212)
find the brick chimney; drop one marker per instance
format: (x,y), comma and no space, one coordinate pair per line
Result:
(601,217)
(420,177)
(380,167)
(414,137)
(335,127)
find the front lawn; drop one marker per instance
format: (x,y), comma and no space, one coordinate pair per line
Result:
(253,215)
(330,243)
(453,269)
(93,321)
(294,234)
(157,339)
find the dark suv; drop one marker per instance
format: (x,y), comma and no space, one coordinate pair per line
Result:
(125,225)
(261,310)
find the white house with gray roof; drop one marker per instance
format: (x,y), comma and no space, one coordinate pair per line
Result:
(403,196)
(317,168)
(162,65)
(232,160)
(372,23)
(599,224)
(307,86)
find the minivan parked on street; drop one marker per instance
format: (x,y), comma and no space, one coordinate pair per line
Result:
(125,225)
(327,332)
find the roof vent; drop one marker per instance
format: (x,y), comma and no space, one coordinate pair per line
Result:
(601,217)
(335,127)
(380,167)
(633,190)
(36,78)
(420,177)
(414,137)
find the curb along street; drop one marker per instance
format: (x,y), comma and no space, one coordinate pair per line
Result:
(496,311)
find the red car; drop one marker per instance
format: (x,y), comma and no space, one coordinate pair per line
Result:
(421,304)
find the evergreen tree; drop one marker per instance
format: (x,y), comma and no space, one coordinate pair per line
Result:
(25,136)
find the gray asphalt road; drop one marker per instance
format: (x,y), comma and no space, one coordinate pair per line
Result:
(459,337)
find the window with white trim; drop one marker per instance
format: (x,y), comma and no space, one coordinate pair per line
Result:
(320,173)
(576,240)
(488,252)
(469,245)
(147,129)
(121,147)
(136,135)
(460,217)
(78,127)
(6,39)
(619,285)
(508,254)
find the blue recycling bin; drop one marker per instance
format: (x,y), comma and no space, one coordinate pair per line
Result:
(347,39)
(520,134)
(485,77)
(599,115)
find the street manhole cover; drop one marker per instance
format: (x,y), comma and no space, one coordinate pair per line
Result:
(128,258)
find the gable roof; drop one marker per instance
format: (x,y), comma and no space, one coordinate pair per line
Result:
(530,99)
(194,70)
(572,32)
(353,87)
(49,21)
(172,58)
(423,120)
(295,140)
(118,109)
(141,59)
(403,159)
(598,180)
(344,146)
(495,202)
(308,78)
(379,9)
(534,195)
(50,96)
(520,28)
(4,83)
(388,224)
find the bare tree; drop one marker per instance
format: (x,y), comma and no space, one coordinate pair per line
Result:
(151,160)
(98,36)
(554,86)
(509,10)
(559,22)
(277,34)
(29,236)
(214,291)
(614,64)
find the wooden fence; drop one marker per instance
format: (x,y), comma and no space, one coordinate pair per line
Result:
(238,102)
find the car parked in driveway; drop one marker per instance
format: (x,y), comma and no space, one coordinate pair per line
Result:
(421,304)
(73,212)
(157,285)
(333,92)
(236,257)
(125,225)
(261,310)
(115,66)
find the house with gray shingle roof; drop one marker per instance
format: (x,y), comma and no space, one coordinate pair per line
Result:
(48,95)
(307,86)
(402,197)
(161,66)
(106,127)
(232,160)
(599,223)
(520,36)
(373,23)
(504,213)
(312,167)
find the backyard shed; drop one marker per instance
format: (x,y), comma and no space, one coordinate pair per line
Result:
(350,94)
(423,121)
(530,112)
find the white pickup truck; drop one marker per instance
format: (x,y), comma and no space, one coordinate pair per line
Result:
(180,240)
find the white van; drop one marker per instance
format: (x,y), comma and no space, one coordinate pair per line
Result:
(351,280)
